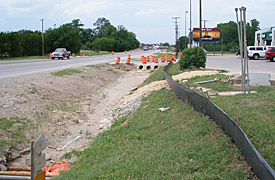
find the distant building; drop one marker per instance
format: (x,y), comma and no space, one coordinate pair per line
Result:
(265,37)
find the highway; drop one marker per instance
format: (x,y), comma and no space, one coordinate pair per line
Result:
(22,67)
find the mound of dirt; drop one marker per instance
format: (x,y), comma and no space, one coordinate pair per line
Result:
(68,110)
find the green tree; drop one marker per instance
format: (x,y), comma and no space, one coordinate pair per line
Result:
(100,26)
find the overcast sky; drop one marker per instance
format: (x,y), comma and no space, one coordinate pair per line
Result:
(150,20)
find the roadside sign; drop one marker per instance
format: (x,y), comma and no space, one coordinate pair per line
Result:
(39,163)
(40,145)
(38,160)
(41,176)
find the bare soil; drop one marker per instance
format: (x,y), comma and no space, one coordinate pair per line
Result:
(70,111)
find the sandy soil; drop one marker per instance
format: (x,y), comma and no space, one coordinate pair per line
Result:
(69,111)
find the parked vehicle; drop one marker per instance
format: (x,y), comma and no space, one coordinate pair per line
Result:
(256,52)
(270,54)
(205,52)
(61,53)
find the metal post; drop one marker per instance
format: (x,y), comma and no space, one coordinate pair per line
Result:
(241,50)
(200,42)
(185,31)
(242,55)
(190,30)
(245,49)
(42,37)
(32,159)
(222,45)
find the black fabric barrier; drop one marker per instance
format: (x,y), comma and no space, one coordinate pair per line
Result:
(208,108)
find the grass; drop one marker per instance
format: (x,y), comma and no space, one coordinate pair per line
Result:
(217,86)
(24,58)
(93,53)
(256,113)
(66,72)
(156,75)
(98,66)
(177,144)
(69,107)
(14,129)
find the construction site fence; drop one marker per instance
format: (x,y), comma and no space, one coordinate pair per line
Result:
(208,108)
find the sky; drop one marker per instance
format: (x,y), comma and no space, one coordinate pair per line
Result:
(150,20)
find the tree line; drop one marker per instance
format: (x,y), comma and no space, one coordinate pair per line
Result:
(229,36)
(103,37)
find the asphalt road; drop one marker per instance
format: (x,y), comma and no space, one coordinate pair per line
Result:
(232,63)
(17,68)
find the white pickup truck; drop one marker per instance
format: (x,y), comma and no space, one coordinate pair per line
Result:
(61,53)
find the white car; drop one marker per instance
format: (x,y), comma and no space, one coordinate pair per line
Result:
(256,52)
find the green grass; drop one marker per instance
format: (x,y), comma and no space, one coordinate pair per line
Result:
(13,131)
(156,75)
(98,66)
(24,58)
(177,144)
(69,107)
(66,72)
(256,113)
(217,86)
(93,53)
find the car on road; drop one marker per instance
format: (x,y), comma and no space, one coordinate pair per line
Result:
(270,54)
(61,53)
(256,52)
(145,48)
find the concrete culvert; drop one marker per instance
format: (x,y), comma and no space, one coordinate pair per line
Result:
(148,67)
(140,67)
(155,67)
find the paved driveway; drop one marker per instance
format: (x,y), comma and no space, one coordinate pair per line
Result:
(233,64)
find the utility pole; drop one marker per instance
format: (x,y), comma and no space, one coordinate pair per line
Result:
(42,36)
(204,26)
(176,30)
(190,30)
(200,43)
(185,31)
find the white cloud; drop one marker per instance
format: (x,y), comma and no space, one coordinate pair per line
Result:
(145,13)
(83,9)
(125,15)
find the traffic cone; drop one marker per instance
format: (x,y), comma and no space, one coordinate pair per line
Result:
(118,60)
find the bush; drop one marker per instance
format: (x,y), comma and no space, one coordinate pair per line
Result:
(192,58)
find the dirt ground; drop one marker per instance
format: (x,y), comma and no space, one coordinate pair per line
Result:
(69,110)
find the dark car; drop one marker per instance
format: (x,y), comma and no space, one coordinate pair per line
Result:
(270,54)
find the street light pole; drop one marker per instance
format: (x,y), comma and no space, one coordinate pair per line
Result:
(185,31)
(42,36)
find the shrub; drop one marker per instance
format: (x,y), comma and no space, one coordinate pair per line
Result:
(192,58)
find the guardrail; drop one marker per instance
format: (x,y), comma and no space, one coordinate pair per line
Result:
(208,108)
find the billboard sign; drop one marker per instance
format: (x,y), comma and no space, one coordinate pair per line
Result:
(208,35)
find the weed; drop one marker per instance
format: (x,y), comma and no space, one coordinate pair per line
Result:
(33,90)
(99,66)
(69,155)
(66,72)
(14,129)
